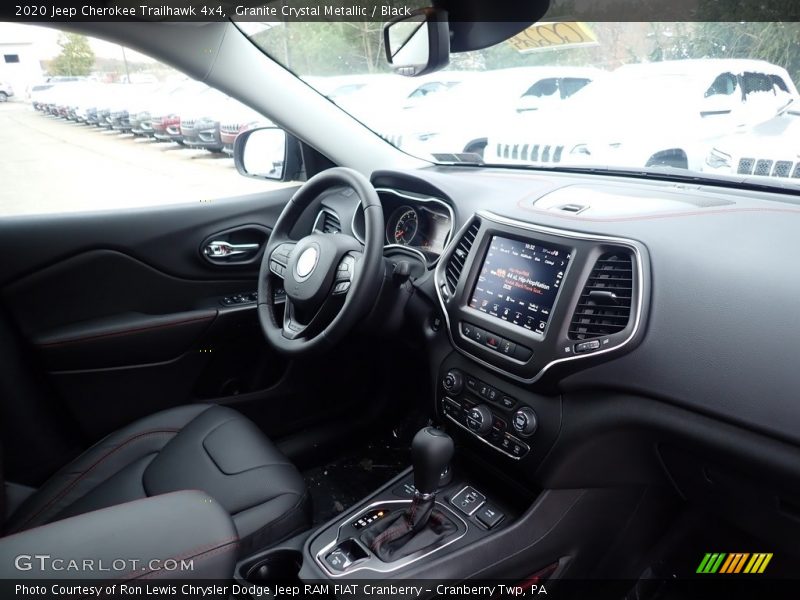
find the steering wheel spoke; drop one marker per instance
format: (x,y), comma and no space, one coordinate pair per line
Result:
(279,259)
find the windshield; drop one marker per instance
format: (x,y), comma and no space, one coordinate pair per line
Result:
(708,98)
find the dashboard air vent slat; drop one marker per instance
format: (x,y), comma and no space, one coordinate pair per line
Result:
(327,222)
(604,307)
(455,265)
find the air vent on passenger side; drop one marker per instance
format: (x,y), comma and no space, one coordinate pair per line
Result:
(604,307)
(459,257)
(327,222)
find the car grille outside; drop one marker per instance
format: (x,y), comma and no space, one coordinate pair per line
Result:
(228,128)
(546,153)
(764,167)
(394,139)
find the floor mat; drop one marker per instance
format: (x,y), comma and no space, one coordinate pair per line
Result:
(337,485)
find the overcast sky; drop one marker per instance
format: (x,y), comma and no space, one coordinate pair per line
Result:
(45,40)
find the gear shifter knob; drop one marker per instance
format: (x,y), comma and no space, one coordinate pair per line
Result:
(431,451)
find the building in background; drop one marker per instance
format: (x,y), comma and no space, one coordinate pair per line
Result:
(20,60)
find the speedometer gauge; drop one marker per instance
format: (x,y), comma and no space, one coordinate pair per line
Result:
(402,226)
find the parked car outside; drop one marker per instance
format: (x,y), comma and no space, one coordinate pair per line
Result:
(664,114)
(6,91)
(239,119)
(770,149)
(149,107)
(479,106)
(165,118)
(199,121)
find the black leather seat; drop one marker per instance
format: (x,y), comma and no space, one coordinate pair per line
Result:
(203,447)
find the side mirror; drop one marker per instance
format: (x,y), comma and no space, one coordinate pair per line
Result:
(418,43)
(267,153)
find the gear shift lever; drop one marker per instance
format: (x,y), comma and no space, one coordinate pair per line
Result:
(421,525)
(431,452)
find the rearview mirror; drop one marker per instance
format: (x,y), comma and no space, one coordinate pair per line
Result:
(418,43)
(266,153)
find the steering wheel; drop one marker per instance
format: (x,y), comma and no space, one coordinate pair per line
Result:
(331,280)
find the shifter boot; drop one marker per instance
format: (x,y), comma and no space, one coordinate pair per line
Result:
(420,527)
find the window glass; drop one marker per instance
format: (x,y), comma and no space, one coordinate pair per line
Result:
(725,85)
(756,82)
(99,128)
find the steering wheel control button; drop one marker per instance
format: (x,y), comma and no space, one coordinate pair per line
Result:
(489,516)
(341,287)
(525,421)
(468,500)
(587,346)
(453,382)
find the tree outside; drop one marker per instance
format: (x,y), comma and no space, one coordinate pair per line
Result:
(76,57)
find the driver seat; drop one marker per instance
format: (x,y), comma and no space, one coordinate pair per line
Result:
(194,447)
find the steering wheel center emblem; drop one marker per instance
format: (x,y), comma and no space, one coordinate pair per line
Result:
(306,262)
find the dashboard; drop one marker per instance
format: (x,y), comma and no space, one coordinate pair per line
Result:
(416,223)
(692,327)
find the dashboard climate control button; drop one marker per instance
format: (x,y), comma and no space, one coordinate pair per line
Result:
(479,419)
(525,421)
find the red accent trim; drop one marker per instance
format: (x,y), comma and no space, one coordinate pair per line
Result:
(75,481)
(132,330)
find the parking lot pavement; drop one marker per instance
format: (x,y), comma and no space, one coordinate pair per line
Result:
(51,165)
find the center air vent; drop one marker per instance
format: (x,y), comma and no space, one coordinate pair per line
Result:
(604,307)
(327,222)
(459,257)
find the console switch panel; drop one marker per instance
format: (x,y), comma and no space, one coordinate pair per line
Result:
(345,554)
(468,500)
(489,515)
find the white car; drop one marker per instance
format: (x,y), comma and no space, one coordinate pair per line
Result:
(481,105)
(648,115)
(6,91)
(380,95)
(770,149)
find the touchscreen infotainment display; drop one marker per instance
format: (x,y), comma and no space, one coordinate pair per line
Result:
(519,281)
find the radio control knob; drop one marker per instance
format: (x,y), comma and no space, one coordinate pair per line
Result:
(479,419)
(453,382)
(524,421)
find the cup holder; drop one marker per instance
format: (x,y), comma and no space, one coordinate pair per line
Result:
(277,566)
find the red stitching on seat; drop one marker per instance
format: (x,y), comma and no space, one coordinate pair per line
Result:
(201,552)
(75,481)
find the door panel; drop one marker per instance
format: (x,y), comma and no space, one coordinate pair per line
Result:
(126,314)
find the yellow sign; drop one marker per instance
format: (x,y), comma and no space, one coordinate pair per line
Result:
(552,36)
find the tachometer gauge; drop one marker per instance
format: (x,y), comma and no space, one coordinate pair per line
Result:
(402,226)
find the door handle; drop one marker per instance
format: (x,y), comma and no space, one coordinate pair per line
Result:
(223,249)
